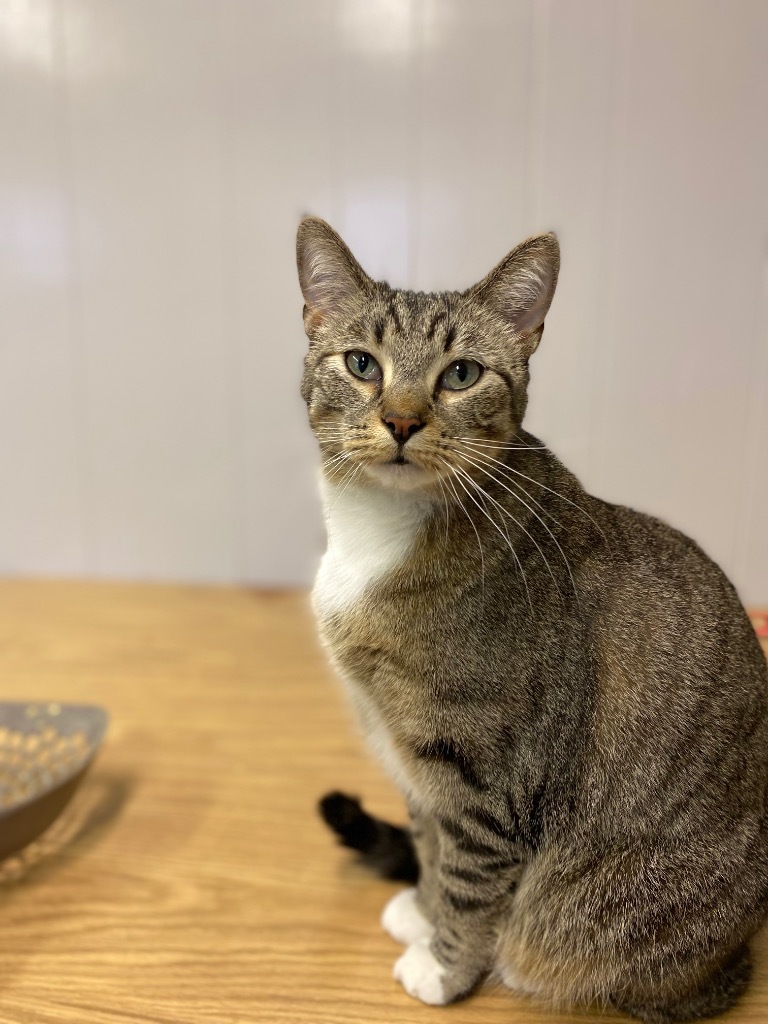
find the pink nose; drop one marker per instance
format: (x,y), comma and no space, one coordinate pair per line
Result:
(402,427)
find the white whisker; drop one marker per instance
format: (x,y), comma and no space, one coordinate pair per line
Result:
(449,481)
(499,445)
(348,478)
(520,526)
(496,462)
(323,437)
(510,469)
(487,472)
(344,436)
(517,523)
(445,502)
(338,457)
(504,534)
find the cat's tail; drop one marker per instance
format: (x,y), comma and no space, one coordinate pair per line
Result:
(385,848)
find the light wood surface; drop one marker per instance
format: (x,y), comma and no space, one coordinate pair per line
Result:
(191,880)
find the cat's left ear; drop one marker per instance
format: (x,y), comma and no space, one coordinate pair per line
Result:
(329,275)
(521,287)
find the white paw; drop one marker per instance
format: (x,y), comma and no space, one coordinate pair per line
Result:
(515,981)
(421,975)
(403,920)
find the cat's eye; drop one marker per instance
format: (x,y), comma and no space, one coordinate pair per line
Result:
(363,365)
(461,374)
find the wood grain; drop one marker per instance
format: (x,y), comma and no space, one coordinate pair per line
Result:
(191,880)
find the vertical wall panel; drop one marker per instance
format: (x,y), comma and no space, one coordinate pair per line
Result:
(375,131)
(473,134)
(751,562)
(147,197)
(574,100)
(686,255)
(43,515)
(277,111)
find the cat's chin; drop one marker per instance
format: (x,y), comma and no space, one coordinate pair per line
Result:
(399,476)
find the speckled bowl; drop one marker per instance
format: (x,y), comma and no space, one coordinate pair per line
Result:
(45,750)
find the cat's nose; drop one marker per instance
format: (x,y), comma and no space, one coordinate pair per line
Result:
(402,427)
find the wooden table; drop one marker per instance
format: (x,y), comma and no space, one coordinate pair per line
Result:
(191,880)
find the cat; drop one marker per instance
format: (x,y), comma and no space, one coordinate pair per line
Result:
(568,693)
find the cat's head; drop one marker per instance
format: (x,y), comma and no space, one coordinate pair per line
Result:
(397,382)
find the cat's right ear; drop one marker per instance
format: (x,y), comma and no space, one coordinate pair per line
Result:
(329,275)
(521,287)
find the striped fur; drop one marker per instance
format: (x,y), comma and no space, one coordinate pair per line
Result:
(568,692)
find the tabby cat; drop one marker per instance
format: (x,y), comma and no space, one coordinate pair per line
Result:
(568,693)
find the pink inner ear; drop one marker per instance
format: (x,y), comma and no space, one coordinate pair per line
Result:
(527,319)
(522,286)
(319,291)
(327,283)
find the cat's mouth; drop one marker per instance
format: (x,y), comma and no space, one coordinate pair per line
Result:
(399,472)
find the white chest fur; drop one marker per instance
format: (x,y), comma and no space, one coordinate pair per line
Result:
(371,531)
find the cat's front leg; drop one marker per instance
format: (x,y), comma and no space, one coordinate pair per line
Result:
(404,918)
(474,883)
(408,916)
(441,969)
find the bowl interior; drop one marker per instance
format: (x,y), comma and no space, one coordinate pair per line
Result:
(42,746)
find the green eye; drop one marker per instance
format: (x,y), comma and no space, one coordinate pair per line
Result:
(461,374)
(363,365)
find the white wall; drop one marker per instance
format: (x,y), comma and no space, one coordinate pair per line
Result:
(155,156)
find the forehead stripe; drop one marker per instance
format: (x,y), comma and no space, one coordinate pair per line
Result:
(436,319)
(395,318)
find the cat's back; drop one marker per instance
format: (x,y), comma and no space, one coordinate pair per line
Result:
(654,570)
(681,682)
